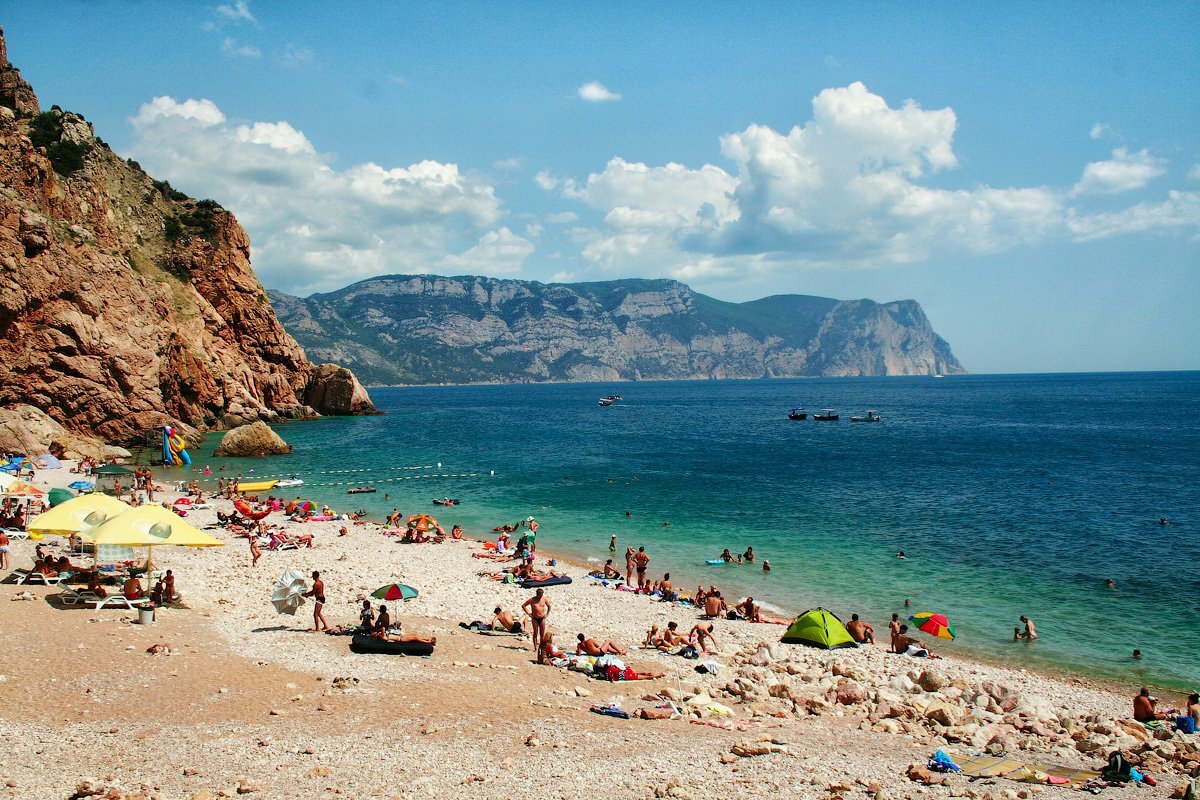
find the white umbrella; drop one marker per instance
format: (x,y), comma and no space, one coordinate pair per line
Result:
(289,592)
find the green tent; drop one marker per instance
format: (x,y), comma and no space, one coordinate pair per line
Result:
(112,469)
(819,627)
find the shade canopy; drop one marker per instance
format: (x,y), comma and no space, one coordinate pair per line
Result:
(77,516)
(112,469)
(57,497)
(151,526)
(422,522)
(23,489)
(934,624)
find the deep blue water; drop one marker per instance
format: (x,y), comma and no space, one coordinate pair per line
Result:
(1009,495)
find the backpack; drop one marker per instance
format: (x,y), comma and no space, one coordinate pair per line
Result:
(1118,768)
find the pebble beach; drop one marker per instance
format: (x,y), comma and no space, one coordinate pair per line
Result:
(243,701)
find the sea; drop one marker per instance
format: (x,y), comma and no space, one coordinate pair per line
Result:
(1008,495)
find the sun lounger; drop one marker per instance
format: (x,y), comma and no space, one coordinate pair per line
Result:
(117,599)
(70,596)
(29,576)
(16,533)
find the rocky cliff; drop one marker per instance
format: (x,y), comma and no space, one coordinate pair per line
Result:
(125,304)
(425,329)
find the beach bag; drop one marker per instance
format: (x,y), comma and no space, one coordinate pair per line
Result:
(1186,724)
(1118,769)
(692,653)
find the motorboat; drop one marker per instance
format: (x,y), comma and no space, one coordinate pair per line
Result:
(867,416)
(605,402)
(826,415)
(362,490)
(292,481)
(797,413)
(613,397)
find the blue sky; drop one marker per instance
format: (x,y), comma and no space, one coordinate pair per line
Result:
(1029,172)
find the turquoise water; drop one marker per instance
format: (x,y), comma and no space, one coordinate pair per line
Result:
(1009,495)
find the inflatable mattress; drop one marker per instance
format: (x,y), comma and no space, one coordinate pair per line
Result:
(547,582)
(361,643)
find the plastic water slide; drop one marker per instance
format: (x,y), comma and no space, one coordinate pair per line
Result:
(174,452)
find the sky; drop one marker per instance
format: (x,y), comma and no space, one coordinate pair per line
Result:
(1029,172)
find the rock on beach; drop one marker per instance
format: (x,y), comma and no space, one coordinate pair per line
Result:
(255,439)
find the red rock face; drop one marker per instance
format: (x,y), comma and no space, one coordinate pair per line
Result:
(121,308)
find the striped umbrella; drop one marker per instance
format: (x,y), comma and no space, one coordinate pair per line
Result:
(394,591)
(933,624)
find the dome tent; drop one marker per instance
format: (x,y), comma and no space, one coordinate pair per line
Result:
(819,627)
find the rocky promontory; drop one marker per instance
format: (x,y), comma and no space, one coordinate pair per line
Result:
(124,303)
(400,329)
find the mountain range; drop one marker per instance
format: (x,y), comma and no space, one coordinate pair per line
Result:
(420,329)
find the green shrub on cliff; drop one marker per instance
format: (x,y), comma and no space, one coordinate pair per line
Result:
(45,130)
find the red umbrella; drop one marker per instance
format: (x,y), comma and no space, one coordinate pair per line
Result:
(934,624)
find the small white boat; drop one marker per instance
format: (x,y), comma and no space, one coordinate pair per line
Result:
(867,416)
(292,481)
(605,402)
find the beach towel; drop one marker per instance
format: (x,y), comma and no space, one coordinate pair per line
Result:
(1016,770)
(609,711)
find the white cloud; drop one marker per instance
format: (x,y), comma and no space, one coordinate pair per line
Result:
(508,164)
(1099,129)
(498,252)
(853,186)
(1194,172)
(562,218)
(595,92)
(231,48)
(316,227)
(1180,210)
(294,56)
(1123,172)
(545,180)
(236,11)
(534,230)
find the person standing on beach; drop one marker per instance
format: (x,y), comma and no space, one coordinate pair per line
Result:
(255,553)
(894,627)
(640,561)
(3,550)
(538,609)
(629,553)
(317,593)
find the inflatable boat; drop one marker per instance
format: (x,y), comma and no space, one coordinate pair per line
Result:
(563,581)
(361,643)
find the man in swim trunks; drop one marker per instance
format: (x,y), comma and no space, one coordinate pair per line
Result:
(504,620)
(860,631)
(538,609)
(703,637)
(714,605)
(317,593)
(640,561)
(907,645)
(1030,632)
(749,610)
(894,630)
(589,647)
(132,589)
(1143,707)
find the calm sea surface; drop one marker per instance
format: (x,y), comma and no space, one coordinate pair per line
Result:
(1010,495)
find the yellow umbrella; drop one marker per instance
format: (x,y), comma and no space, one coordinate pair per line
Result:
(151,526)
(77,516)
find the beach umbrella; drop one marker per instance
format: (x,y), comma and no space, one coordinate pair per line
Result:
(81,486)
(394,591)
(77,516)
(151,526)
(422,522)
(6,481)
(289,592)
(933,624)
(57,497)
(23,489)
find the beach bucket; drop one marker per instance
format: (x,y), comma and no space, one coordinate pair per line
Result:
(145,615)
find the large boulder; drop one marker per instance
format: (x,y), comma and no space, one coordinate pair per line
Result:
(255,439)
(29,430)
(334,390)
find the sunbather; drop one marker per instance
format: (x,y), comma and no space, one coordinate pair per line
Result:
(547,650)
(95,587)
(714,606)
(132,589)
(591,647)
(749,610)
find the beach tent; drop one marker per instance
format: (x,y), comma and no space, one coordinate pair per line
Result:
(47,461)
(77,516)
(112,469)
(819,627)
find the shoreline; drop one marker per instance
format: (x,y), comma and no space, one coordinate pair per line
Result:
(694,574)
